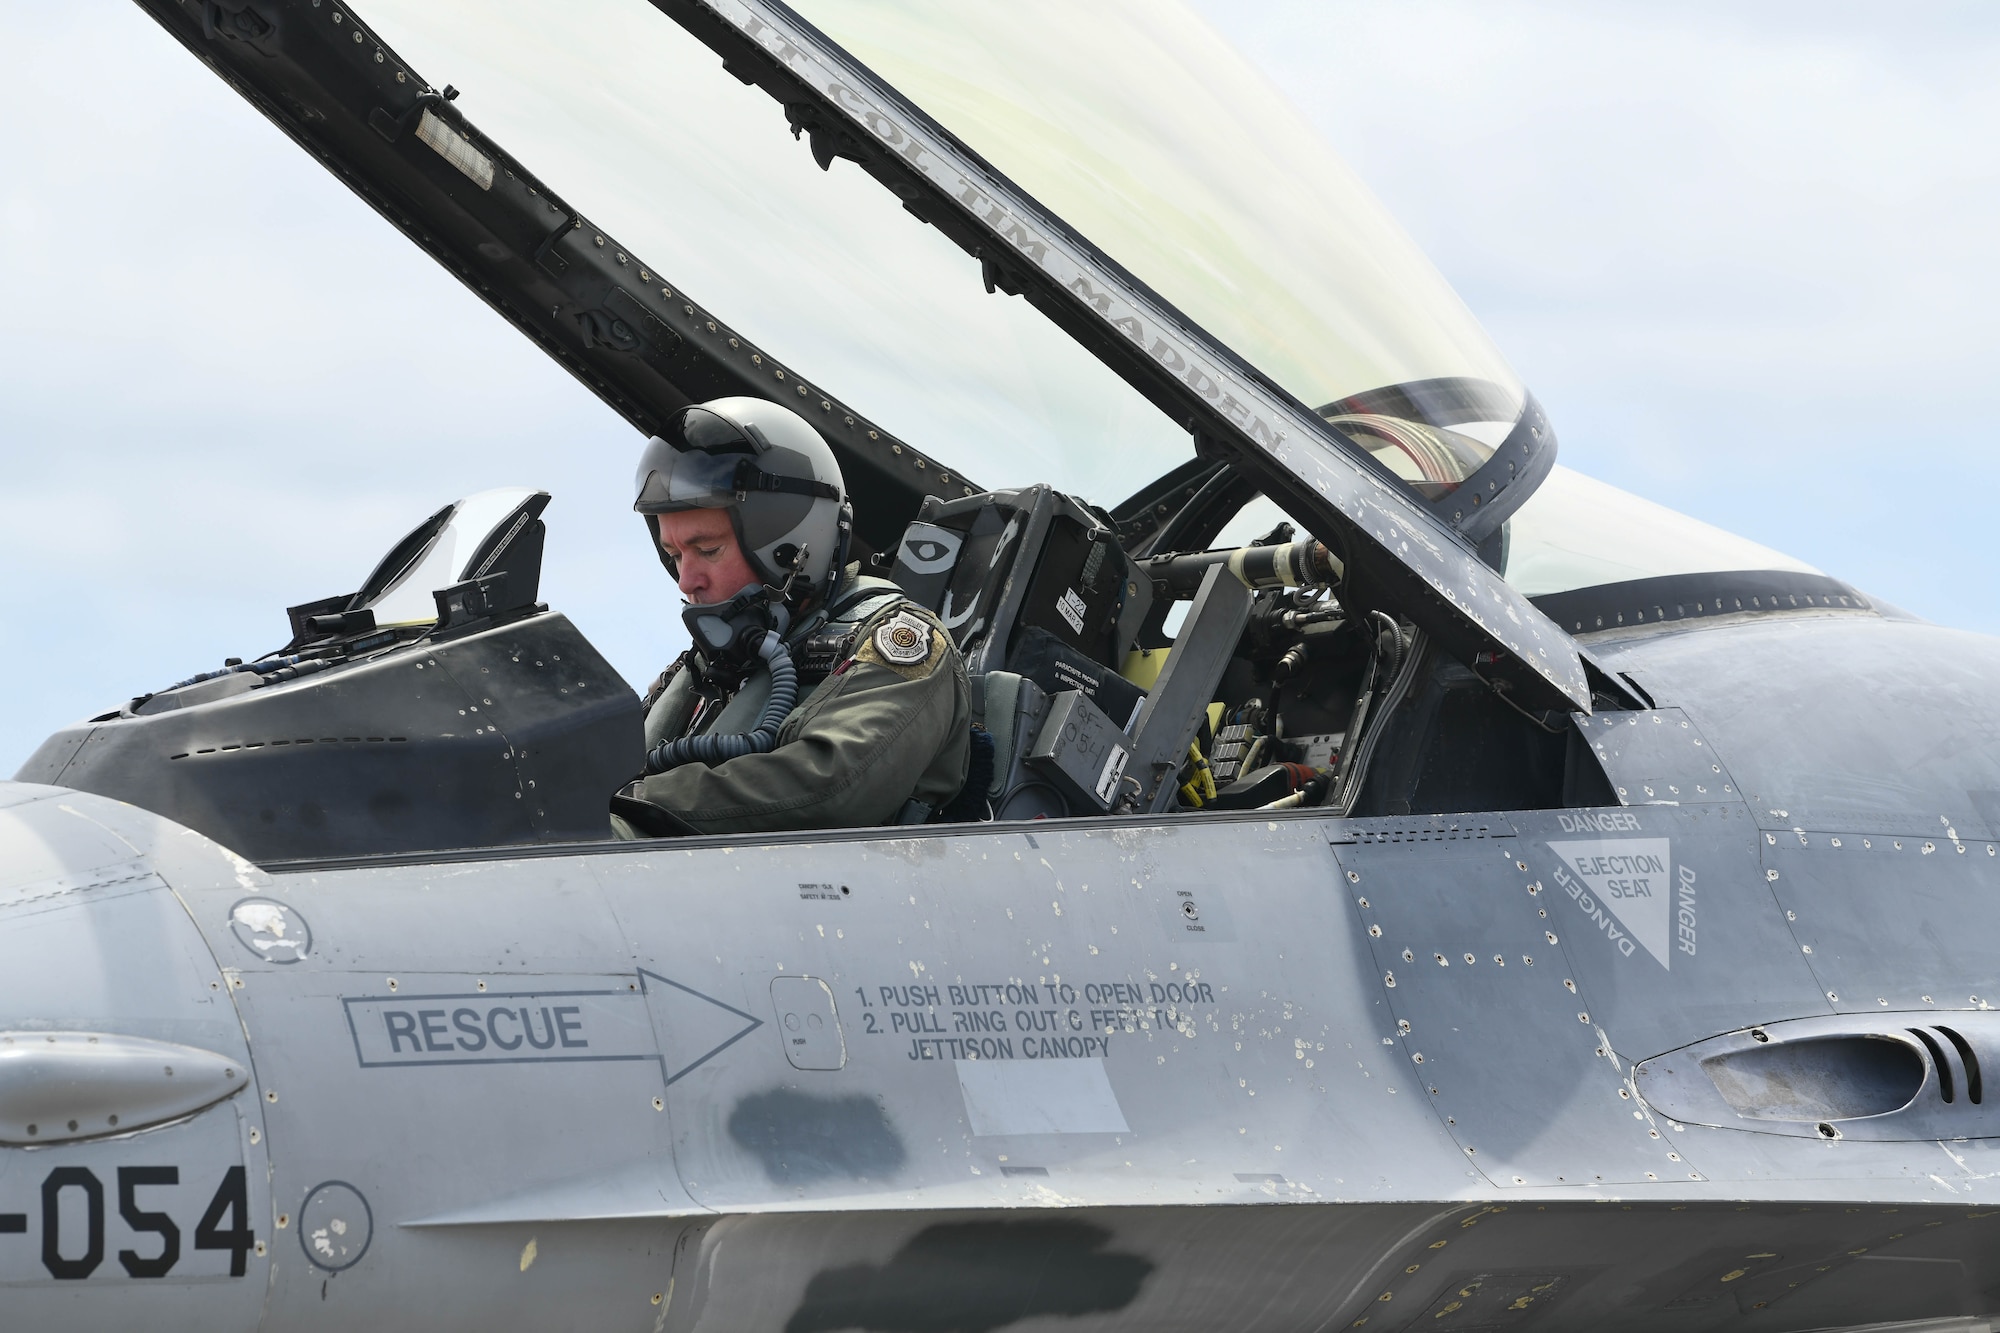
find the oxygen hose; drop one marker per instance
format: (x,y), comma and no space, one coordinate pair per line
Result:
(713,748)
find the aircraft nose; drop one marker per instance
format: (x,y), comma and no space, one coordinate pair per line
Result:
(93,941)
(127,1151)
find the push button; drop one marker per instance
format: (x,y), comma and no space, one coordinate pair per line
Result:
(808,1024)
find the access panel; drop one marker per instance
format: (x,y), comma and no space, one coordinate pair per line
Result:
(1487,1007)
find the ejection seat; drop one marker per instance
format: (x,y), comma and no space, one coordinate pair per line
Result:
(1045,606)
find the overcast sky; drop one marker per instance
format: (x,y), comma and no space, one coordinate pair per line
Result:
(1743,254)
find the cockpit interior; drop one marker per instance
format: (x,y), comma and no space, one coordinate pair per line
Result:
(1122,663)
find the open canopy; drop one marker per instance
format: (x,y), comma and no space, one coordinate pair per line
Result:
(1364,332)
(1402,548)
(1129,120)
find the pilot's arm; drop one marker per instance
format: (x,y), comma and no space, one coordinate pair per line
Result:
(890,724)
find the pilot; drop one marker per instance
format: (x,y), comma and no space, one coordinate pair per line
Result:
(813,697)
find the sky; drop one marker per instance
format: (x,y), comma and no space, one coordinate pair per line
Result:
(1742,254)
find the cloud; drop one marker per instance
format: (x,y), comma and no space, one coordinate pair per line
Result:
(226,386)
(1742,253)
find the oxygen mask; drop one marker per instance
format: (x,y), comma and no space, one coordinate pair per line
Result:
(731,634)
(734,636)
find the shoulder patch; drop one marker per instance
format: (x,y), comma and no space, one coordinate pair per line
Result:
(903,639)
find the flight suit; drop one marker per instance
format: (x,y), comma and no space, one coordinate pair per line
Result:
(888,722)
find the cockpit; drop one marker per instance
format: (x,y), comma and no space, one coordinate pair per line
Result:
(1188,651)
(1122,664)
(1362,593)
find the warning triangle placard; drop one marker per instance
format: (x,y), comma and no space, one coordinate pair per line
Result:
(1625,888)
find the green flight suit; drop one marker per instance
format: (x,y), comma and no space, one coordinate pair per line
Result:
(889,723)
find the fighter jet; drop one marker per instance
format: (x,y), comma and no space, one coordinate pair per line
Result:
(1420,887)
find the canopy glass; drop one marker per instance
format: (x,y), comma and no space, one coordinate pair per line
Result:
(1137,124)
(409,600)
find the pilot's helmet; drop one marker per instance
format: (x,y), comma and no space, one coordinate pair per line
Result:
(769,468)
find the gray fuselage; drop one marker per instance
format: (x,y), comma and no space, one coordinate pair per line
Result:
(1258,1071)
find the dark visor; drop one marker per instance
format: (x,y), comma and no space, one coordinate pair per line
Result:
(706,461)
